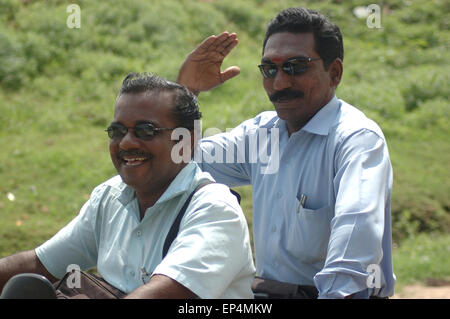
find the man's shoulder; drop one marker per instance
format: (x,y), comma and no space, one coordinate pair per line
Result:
(351,120)
(264,119)
(214,194)
(214,203)
(211,188)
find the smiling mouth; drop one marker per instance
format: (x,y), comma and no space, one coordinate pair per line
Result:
(134,161)
(133,158)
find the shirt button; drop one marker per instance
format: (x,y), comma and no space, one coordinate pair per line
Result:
(132,273)
(279,195)
(274,228)
(138,233)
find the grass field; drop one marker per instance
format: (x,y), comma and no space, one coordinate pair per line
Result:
(58,87)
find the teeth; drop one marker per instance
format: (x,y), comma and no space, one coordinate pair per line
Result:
(134,161)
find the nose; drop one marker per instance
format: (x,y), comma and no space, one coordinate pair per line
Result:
(282,81)
(129,141)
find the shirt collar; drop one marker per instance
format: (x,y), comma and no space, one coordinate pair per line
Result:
(180,184)
(321,122)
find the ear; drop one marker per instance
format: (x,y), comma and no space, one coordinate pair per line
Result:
(335,70)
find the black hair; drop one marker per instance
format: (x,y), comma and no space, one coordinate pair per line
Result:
(327,35)
(185,109)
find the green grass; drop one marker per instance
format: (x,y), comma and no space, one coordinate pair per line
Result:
(50,177)
(58,87)
(423,258)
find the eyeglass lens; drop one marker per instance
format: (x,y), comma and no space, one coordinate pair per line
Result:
(142,131)
(291,67)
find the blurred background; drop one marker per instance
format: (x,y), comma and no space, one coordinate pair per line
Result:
(58,85)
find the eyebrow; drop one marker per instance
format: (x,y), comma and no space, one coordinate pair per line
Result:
(278,60)
(146,122)
(266,60)
(138,122)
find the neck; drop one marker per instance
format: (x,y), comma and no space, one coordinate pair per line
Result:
(147,201)
(147,197)
(294,125)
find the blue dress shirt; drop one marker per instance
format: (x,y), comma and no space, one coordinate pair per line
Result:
(321,198)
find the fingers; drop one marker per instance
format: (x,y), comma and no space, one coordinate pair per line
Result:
(221,44)
(228,45)
(229,73)
(224,43)
(206,44)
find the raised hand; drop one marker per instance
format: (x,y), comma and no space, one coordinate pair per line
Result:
(201,69)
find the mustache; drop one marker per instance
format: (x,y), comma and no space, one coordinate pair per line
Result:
(136,153)
(285,95)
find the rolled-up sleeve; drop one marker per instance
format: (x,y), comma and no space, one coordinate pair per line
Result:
(362,185)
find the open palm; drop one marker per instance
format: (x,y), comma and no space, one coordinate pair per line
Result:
(201,69)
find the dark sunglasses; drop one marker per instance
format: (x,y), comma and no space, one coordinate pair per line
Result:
(144,131)
(292,66)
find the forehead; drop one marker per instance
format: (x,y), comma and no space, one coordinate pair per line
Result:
(284,45)
(155,107)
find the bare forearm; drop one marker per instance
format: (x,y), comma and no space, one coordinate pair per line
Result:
(23,262)
(161,287)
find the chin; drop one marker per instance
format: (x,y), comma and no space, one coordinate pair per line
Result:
(285,113)
(134,180)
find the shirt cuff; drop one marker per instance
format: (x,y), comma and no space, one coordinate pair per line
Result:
(338,286)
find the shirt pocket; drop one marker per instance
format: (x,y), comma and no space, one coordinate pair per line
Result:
(309,233)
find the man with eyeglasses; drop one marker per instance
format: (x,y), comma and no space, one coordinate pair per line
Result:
(123,227)
(322,221)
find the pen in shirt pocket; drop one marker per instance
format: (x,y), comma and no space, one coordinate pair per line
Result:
(301,203)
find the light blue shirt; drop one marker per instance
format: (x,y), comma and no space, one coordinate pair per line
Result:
(321,200)
(211,254)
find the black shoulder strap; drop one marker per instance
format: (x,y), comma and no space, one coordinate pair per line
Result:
(238,196)
(173,232)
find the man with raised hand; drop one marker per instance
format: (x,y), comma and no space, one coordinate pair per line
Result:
(322,219)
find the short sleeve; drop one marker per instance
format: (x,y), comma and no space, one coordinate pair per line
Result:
(75,244)
(212,247)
